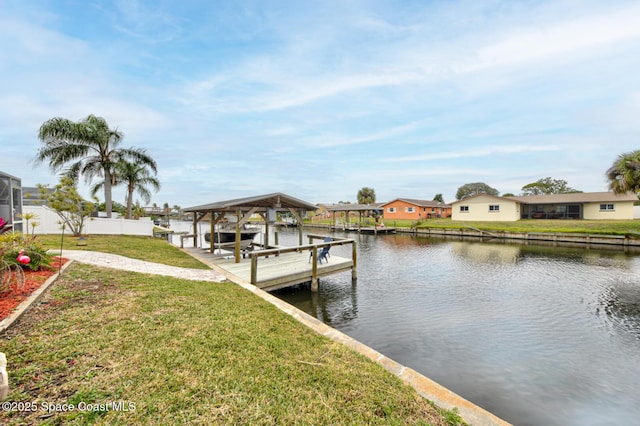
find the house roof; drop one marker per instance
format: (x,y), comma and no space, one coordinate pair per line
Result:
(353,207)
(479,195)
(578,197)
(31,196)
(420,203)
(277,201)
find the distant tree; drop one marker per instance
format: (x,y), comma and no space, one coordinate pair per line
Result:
(115,207)
(546,186)
(137,211)
(439,198)
(624,173)
(72,209)
(366,196)
(469,189)
(508,194)
(178,211)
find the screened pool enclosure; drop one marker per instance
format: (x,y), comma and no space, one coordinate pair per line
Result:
(11,201)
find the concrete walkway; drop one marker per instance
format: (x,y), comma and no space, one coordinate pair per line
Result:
(125,263)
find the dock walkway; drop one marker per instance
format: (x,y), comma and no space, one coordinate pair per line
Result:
(281,267)
(372,230)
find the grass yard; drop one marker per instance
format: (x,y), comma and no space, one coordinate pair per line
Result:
(171,351)
(606,227)
(143,248)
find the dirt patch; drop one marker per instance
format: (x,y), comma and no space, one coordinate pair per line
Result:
(67,293)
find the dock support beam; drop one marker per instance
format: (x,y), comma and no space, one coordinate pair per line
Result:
(354,258)
(314,270)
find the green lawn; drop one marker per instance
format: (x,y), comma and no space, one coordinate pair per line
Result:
(185,352)
(143,248)
(608,227)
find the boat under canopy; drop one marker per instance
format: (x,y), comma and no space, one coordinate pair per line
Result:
(266,206)
(226,238)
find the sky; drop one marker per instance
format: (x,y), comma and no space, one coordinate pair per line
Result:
(318,99)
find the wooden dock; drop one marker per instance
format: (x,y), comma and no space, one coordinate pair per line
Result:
(281,267)
(371,230)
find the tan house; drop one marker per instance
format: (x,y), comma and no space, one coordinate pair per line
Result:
(406,208)
(583,205)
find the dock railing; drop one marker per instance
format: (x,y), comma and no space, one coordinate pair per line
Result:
(313,247)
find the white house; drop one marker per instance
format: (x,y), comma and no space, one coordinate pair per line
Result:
(582,205)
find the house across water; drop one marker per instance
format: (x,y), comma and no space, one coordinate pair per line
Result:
(582,205)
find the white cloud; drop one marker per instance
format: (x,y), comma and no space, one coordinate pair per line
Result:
(558,39)
(474,153)
(364,96)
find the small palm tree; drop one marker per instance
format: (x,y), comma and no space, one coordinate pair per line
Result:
(136,176)
(27,217)
(624,174)
(88,148)
(366,196)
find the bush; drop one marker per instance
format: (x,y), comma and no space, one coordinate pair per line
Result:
(13,242)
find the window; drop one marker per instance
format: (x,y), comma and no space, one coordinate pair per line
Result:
(410,209)
(464,209)
(494,207)
(607,207)
(391,209)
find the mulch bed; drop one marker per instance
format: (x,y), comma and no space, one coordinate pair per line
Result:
(18,292)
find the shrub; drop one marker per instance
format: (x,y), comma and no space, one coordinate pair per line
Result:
(13,242)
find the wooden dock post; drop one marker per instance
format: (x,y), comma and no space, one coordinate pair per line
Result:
(254,270)
(314,269)
(354,258)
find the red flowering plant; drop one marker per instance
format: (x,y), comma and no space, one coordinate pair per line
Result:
(3,226)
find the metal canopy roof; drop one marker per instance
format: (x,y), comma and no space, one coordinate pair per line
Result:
(353,207)
(277,201)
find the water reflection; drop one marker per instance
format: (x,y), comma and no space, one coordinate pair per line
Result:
(335,303)
(535,334)
(486,253)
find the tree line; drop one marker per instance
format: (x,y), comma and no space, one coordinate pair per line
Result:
(89,148)
(623,176)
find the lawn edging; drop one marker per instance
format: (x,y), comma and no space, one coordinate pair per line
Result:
(425,387)
(33,298)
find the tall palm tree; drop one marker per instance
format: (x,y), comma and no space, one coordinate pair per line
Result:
(136,176)
(88,148)
(624,174)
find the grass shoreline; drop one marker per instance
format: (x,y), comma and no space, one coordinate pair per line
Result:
(604,227)
(184,352)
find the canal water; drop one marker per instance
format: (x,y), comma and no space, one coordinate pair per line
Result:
(536,335)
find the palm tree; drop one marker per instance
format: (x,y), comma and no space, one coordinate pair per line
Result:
(178,210)
(136,176)
(88,148)
(624,174)
(366,195)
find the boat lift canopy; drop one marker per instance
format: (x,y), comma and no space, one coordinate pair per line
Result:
(265,205)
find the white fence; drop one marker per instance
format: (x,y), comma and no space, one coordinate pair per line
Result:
(49,223)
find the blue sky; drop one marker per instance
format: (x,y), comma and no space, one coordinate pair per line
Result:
(318,99)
